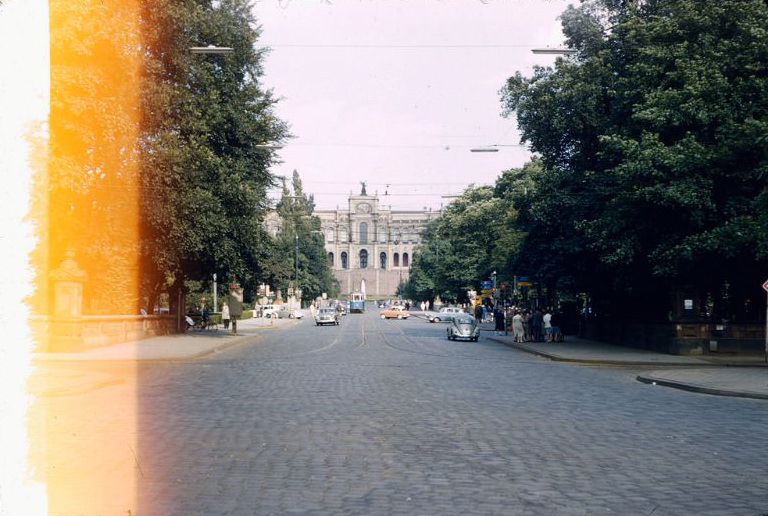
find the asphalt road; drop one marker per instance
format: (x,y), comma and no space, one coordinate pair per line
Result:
(389,417)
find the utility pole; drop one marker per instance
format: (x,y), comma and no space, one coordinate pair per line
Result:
(215,301)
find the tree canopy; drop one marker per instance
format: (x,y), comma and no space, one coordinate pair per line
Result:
(653,145)
(300,246)
(473,237)
(205,167)
(650,172)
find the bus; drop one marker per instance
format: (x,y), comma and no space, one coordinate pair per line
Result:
(357,303)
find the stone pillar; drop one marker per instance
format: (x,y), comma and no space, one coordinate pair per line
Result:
(66,330)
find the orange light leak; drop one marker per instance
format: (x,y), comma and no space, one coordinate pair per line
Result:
(83,424)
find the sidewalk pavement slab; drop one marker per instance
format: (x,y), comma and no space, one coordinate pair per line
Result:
(742,382)
(593,352)
(184,346)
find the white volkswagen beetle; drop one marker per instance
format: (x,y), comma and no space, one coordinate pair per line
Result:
(463,327)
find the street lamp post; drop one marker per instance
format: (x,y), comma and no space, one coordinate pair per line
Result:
(495,293)
(296,276)
(215,300)
(211,50)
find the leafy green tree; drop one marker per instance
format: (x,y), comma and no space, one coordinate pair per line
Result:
(653,146)
(473,237)
(206,120)
(301,244)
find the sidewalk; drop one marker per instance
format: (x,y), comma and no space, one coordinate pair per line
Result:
(188,345)
(739,376)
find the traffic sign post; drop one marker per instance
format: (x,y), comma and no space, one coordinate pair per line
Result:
(765,286)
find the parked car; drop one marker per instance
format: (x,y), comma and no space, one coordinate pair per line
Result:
(327,316)
(445,314)
(285,313)
(463,327)
(269,311)
(395,312)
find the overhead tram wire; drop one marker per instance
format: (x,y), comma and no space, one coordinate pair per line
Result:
(394,46)
(397,146)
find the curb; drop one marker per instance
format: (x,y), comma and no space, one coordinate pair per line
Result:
(692,387)
(178,358)
(201,354)
(558,358)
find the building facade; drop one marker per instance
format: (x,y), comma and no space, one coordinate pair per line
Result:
(370,246)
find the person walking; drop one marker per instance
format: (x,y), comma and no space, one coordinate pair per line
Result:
(498,319)
(527,325)
(537,323)
(225,316)
(518,331)
(547,325)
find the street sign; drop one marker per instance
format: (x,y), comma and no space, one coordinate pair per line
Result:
(486,284)
(524,284)
(235,299)
(765,286)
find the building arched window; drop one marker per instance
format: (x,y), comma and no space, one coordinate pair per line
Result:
(382,236)
(363,259)
(383,260)
(343,235)
(329,235)
(396,260)
(330,259)
(405,259)
(344,262)
(363,233)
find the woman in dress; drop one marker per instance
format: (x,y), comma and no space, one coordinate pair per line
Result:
(225,315)
(517,327)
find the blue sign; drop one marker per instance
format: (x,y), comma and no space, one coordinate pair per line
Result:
(486,285)
(524,279)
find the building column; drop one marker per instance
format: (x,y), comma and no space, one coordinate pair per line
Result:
(66,329)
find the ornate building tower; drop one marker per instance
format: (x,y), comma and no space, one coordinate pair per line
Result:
(368,241)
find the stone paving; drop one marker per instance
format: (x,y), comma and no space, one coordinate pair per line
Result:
(388,417)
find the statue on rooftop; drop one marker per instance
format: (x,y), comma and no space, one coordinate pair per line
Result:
(363,191)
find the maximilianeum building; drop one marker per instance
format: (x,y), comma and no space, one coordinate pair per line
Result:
(370,246)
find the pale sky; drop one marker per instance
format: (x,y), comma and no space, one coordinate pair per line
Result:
(396,92)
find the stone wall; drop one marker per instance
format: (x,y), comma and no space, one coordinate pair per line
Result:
(74,334)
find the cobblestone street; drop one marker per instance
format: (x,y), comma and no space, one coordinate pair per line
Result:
(389,417)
